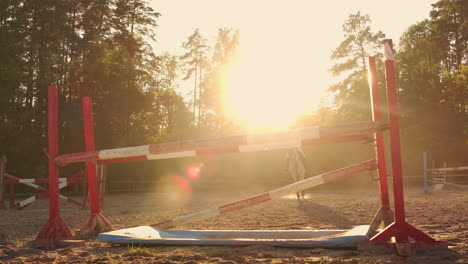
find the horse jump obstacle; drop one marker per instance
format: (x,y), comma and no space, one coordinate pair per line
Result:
(404,235)
(7,178)
(438,176)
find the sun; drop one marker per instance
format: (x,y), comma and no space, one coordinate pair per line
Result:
(269,89)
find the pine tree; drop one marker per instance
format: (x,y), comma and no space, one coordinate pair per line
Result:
(352,93)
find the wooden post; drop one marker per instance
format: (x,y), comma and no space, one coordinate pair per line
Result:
(55,228)
(426,186)
(399,229)
(3,162)
(96,221)
(384,214)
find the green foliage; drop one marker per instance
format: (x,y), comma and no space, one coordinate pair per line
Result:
(432,62)
(88,48)
(352,93)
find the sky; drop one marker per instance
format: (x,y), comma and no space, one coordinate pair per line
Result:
(285,45)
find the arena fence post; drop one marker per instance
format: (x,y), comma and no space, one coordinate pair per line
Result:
(426,186)
(399,229)
(384,214)
(55,229)
(96,221)
(3,162)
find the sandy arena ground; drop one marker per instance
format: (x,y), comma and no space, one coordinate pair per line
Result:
(442,214)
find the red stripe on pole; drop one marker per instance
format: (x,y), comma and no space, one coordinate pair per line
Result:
(342,139)
(245,203)
(217,143)
(350,170)
(117,160)
(164,224)
(77,157)
(217,150)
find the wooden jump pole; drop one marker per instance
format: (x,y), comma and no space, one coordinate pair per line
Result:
(55,229)
(234,144)
(384,214)
(272,195)
(96,221)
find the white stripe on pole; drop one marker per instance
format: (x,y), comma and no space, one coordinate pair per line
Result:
(25,180)
(291,135)
(27,201)
(124,152)
(35,180)
(270,146)
(197,215)
(33,198)
(308,133)
(62,184)
(297,186)
(388,52)
(180,154)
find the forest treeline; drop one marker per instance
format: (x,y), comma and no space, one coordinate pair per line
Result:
(107,49)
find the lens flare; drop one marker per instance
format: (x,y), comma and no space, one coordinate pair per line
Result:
(193,171)
(176,189)
(183,185)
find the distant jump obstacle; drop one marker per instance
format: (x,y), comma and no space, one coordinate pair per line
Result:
(396,232)
(6,178)
(438,176)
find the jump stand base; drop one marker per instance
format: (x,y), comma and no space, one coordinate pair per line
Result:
(52,234)
(383,217)
(96,223)
(404,249)
(407,239)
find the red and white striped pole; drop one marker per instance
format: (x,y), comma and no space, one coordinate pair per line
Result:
(63,182)
(234,144)
(274,194)
(55,228)
(96,221)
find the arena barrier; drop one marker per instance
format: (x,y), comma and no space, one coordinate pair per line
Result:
(438,176)
(397,231)
(7,178)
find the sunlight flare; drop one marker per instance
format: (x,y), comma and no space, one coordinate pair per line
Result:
(263,93)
